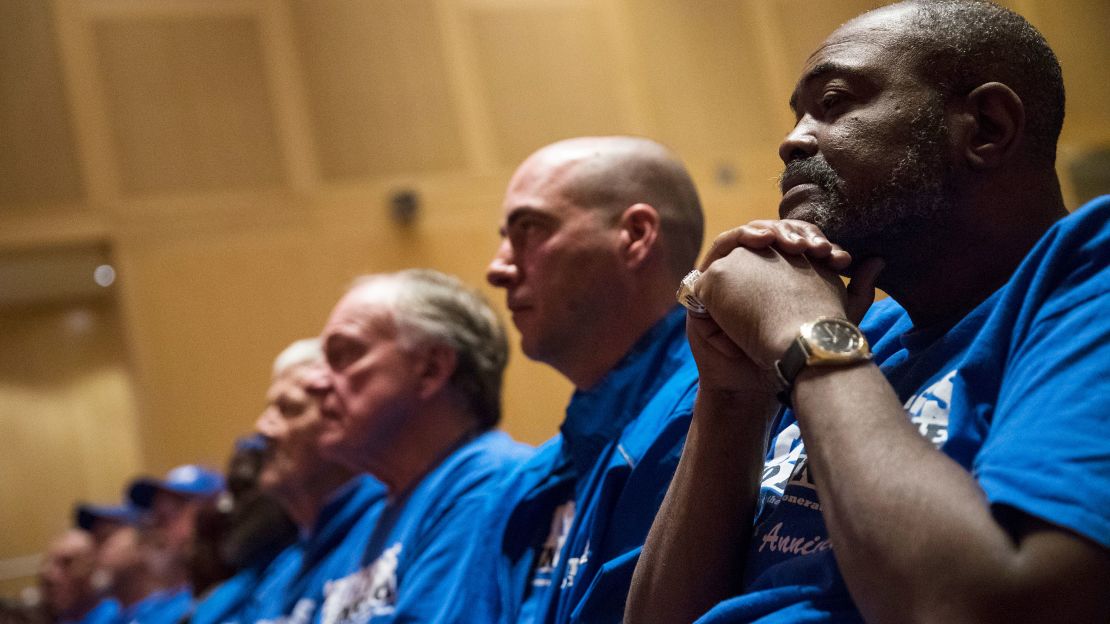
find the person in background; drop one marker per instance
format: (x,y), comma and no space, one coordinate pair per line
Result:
(103,520)
(411,394)
(958,470)
(66,581)
(170,509)
(142,579)
(333,508)
(596,234)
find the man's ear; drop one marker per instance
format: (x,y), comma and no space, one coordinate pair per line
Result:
(996,125)
(639,230)
(438,363)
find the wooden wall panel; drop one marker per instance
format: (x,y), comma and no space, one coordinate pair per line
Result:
(38,158)
(548,73)
(188,104)
(377,84)
(705,82)
(67,418)
(1079,37)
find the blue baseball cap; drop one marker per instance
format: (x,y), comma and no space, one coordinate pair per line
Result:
(86,515)
(188,480)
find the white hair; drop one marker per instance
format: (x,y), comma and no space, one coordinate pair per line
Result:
(301,352)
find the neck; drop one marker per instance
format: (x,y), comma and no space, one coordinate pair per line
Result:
(134,588)
(588,364)
(423,443)
(944,274)
(304,501)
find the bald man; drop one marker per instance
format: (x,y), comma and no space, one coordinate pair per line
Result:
(596,234)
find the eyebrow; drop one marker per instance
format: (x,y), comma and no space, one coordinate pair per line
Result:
(525,211)
(819,70)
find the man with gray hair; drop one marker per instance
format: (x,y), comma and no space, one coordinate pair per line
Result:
(334,508)
(411,393)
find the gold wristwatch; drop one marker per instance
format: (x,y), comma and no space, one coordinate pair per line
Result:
(825,341)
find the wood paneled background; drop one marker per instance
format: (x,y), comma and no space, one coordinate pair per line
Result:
(234,160)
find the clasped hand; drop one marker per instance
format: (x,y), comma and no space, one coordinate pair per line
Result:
(760,282)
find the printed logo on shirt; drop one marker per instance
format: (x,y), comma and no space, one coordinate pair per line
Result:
(573,565)
(552,550)
(302,613)
(370,592)
(787,451)
(929,410)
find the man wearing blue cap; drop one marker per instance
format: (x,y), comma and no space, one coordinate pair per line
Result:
(102,520)
(135,572)
(171,506)
(65,579)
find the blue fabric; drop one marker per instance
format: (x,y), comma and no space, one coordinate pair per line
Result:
(104,612)
(413,557)
(613,460)
(162,607)
(291,588)
(1015,393)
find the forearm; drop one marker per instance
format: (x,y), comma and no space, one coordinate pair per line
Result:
(694,551)
(914,536)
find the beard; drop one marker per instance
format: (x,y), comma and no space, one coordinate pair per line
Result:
(913,201)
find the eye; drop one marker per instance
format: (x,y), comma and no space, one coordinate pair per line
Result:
(341,353)
(831,99)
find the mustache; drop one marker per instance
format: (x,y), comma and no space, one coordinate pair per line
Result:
(811,170)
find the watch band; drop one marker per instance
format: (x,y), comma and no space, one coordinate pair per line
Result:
(792,363)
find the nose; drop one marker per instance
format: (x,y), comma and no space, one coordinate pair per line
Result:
(502,271)
(319,382)
(267,422)
(800,143)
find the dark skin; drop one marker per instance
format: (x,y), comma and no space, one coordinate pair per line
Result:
(916,540)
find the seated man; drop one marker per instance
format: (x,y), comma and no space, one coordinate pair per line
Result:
(170,510)
(961,474)
(135,570)
(411,394)
(65,580)
(596,233)
(334,509)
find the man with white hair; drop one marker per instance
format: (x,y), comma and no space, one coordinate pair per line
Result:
(411,394)
(334,508)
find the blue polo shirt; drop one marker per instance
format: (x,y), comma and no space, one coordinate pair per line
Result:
(290,588)
(168,606)
(567,530)
(1015,393)
(104,612)
(413,558)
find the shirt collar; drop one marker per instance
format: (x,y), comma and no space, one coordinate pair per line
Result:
(598,415)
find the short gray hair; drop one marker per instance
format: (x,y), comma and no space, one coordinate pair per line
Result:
(430,307)
(301,352)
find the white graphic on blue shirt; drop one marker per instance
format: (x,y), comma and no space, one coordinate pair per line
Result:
(929,410)
(552,549)
(368,593)
(573,565)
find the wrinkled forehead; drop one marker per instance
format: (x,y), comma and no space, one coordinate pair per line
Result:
(874,43)
(366,309)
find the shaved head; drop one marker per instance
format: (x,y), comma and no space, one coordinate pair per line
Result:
(609,174)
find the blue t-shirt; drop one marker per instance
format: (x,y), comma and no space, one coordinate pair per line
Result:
(104,612)
(567,530)
(161,607)
(290,589)
(412,559)
(1015,393)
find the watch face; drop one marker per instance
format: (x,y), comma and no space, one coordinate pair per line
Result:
(835,336)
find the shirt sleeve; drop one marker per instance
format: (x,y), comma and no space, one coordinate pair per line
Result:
(1047,452)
